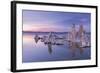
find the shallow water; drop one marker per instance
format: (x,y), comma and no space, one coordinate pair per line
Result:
(39,52)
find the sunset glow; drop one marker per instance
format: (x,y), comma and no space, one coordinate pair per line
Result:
(47,28)
(45,21)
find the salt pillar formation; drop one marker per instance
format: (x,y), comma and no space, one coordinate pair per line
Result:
(36,38)
(82,35)
(73,33)
(49,43)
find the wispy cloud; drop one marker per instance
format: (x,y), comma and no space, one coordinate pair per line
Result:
(53,21)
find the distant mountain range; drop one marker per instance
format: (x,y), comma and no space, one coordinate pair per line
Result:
(41,32)
(46,32)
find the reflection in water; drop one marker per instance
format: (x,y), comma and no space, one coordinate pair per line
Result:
(50,48)
(55,46)
(75,46)
(75,40)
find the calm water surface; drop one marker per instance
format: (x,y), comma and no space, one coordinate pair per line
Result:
(38,52)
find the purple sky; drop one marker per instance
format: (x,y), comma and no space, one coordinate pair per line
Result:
(54,21)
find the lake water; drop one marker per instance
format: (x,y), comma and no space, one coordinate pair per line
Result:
(39,52)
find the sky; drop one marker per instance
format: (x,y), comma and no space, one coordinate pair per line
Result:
(47,21)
